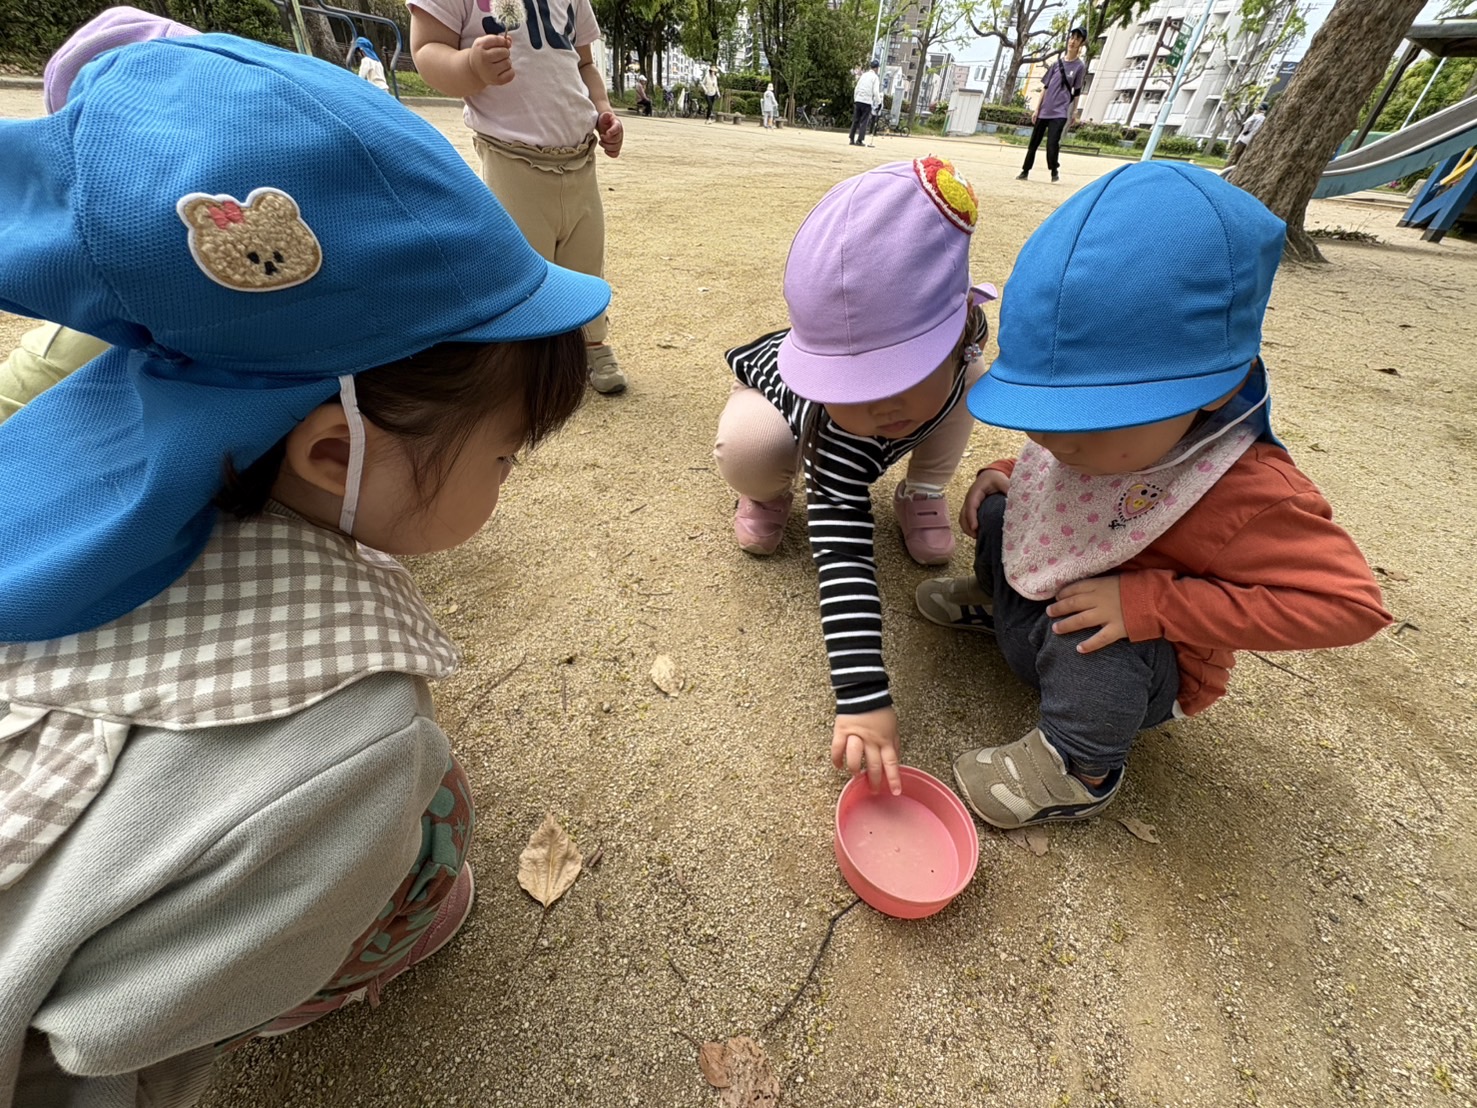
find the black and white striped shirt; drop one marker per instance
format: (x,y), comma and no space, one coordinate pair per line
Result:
(839,472)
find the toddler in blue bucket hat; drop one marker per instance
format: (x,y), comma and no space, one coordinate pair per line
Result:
(225,806)
(1153,525)
(867,374)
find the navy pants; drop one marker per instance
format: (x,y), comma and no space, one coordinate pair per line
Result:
(1092,705)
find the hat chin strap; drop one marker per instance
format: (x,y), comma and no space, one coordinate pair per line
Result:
(356,454)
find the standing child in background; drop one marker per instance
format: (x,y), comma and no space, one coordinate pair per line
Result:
(370,66)
(868,373)
(228,807)
(538,105)
(769,106)
(1153,525)
(1062,86)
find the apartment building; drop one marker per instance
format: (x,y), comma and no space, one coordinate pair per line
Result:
(1121,69)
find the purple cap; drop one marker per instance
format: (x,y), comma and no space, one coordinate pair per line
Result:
(113,28)
(877,282)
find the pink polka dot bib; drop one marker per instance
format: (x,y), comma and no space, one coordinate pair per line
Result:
(1063,526)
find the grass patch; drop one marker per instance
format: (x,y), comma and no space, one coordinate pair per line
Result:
(413,84)
(1342,234)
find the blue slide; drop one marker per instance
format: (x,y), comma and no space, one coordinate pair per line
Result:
(1432,140)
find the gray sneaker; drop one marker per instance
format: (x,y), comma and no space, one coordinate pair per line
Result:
(956,602)
(1027,782)
(605,372)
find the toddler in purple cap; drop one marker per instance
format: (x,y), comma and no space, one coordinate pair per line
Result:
(1152,524)
(868,373)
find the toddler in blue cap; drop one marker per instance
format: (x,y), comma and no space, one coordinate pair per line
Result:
(1153,525)
(225,805)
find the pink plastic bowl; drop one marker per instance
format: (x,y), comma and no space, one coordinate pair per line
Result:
(909,855)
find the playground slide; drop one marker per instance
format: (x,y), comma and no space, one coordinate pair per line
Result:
(1448,132)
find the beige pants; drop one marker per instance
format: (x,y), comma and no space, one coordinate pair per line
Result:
(45,355)
(758,456)
(553,196)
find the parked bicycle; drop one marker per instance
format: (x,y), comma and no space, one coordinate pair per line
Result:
(883,125)
(816,121)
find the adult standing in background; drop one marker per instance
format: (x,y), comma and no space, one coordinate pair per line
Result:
(1249,129)
(1063,85)
(866,97)
(710,89)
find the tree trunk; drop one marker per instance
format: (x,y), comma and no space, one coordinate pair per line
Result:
(1345,61)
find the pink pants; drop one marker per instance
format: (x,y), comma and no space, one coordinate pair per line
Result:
(758,455)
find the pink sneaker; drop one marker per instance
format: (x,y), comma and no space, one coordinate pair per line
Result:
(758,525)
(928,532)
(450,916)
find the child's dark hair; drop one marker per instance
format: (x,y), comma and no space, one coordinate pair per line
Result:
(435,400)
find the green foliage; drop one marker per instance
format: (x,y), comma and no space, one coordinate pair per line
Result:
(1181,146)
(33,30)
(745,103)
(1450,86)
(743,82)
(1012,116)
(1097,135)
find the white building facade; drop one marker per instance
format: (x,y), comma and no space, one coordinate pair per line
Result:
(1121,69)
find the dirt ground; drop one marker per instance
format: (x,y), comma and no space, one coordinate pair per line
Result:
(1304,934)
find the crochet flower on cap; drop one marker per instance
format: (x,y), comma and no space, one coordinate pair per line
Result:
(949,191)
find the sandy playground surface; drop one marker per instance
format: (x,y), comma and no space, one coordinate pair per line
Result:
(1305,933)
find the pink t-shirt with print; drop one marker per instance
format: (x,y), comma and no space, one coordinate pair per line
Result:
(546,103)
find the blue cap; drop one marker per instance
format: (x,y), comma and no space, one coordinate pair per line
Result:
(1139,299)
(366,47)
(244,225)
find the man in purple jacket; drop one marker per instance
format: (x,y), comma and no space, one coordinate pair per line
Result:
(1063,84)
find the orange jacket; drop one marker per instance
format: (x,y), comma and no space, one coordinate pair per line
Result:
(1256,564)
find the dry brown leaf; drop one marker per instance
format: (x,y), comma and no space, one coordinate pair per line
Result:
(666,676)
(712,1059)
(1139,829)
(1034,839)
(752,1083)
(549,863)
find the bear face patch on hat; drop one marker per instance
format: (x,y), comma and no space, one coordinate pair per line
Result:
(255,245)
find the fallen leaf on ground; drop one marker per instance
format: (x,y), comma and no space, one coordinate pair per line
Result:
(1391,370)
(1139,829)
(712,1059)
(1034,839)
(549,863)
(666,676)
(1392,574)
(745,1066)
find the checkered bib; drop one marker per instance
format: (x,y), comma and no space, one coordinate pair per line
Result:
(274,616)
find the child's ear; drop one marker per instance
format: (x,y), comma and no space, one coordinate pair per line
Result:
(318,449)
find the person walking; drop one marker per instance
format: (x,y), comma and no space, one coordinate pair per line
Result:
(370,66)
(1249,129)
(710,89)
(866,97)
(1063,85)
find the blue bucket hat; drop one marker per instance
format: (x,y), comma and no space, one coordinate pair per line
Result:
(1139,299)
(366,47)
(246,226)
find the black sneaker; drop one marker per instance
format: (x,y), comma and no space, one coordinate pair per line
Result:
(1055,177)
(1022,175)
